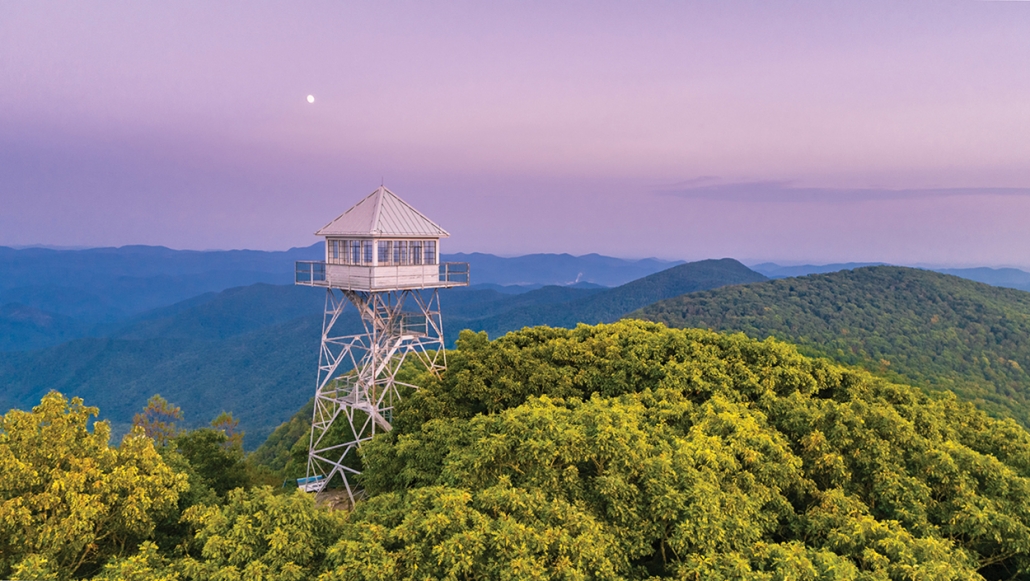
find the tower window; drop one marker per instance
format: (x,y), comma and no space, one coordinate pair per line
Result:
(355,252)
(430,251)
(416,252)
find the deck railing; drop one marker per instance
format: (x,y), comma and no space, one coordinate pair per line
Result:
(310,272)
(456,272)
(314,273)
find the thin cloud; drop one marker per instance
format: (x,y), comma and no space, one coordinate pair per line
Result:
(711,188)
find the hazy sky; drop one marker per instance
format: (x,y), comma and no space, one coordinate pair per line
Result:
(792,131)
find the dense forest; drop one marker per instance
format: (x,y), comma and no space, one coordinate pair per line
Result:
(911,325)
(254,349)
(621,451)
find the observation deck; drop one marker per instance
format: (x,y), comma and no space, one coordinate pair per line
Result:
(381,277)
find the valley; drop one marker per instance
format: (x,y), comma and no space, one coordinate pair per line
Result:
(251,350)
(806,376)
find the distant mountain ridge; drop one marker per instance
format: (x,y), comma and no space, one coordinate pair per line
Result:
(91,292)
(773,270)
(611,304)
(915,325)
(101,286)
(558,269)
(1003,277)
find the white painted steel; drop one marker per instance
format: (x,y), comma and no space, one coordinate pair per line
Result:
(399,305)
(357,374)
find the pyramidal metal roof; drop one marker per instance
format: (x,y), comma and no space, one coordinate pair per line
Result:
(382,213)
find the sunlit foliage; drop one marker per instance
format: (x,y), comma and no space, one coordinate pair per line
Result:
(632,451)
(697,455)
(68,500)
(255,536)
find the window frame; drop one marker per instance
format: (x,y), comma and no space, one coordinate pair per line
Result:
(429,250)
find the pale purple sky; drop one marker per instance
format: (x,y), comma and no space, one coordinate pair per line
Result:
(791,131)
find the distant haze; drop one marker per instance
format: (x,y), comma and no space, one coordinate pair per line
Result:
(803,131)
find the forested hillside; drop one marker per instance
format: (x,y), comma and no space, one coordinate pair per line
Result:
(253,350)
(909,324)
(252,375)
(622,451)
(23,327)
(50,296)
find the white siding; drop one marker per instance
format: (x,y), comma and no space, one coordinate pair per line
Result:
(382,277)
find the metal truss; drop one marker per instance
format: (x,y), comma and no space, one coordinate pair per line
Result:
(357,374)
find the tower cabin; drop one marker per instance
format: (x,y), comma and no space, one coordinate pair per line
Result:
(382,244)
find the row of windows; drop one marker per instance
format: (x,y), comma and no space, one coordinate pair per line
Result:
(407,252)
(389,252)
(350,251)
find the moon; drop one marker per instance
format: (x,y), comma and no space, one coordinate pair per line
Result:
(311,98)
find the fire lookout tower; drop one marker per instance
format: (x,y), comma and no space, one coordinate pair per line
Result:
(383,257)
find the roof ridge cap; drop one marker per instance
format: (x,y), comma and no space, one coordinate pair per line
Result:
(375,229)
(383,217)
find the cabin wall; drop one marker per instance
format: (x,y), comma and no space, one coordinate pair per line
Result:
(383,276)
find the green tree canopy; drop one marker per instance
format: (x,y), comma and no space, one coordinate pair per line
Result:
(907,324)
(684,453)
(634,451)
(257,535)
(68,500)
